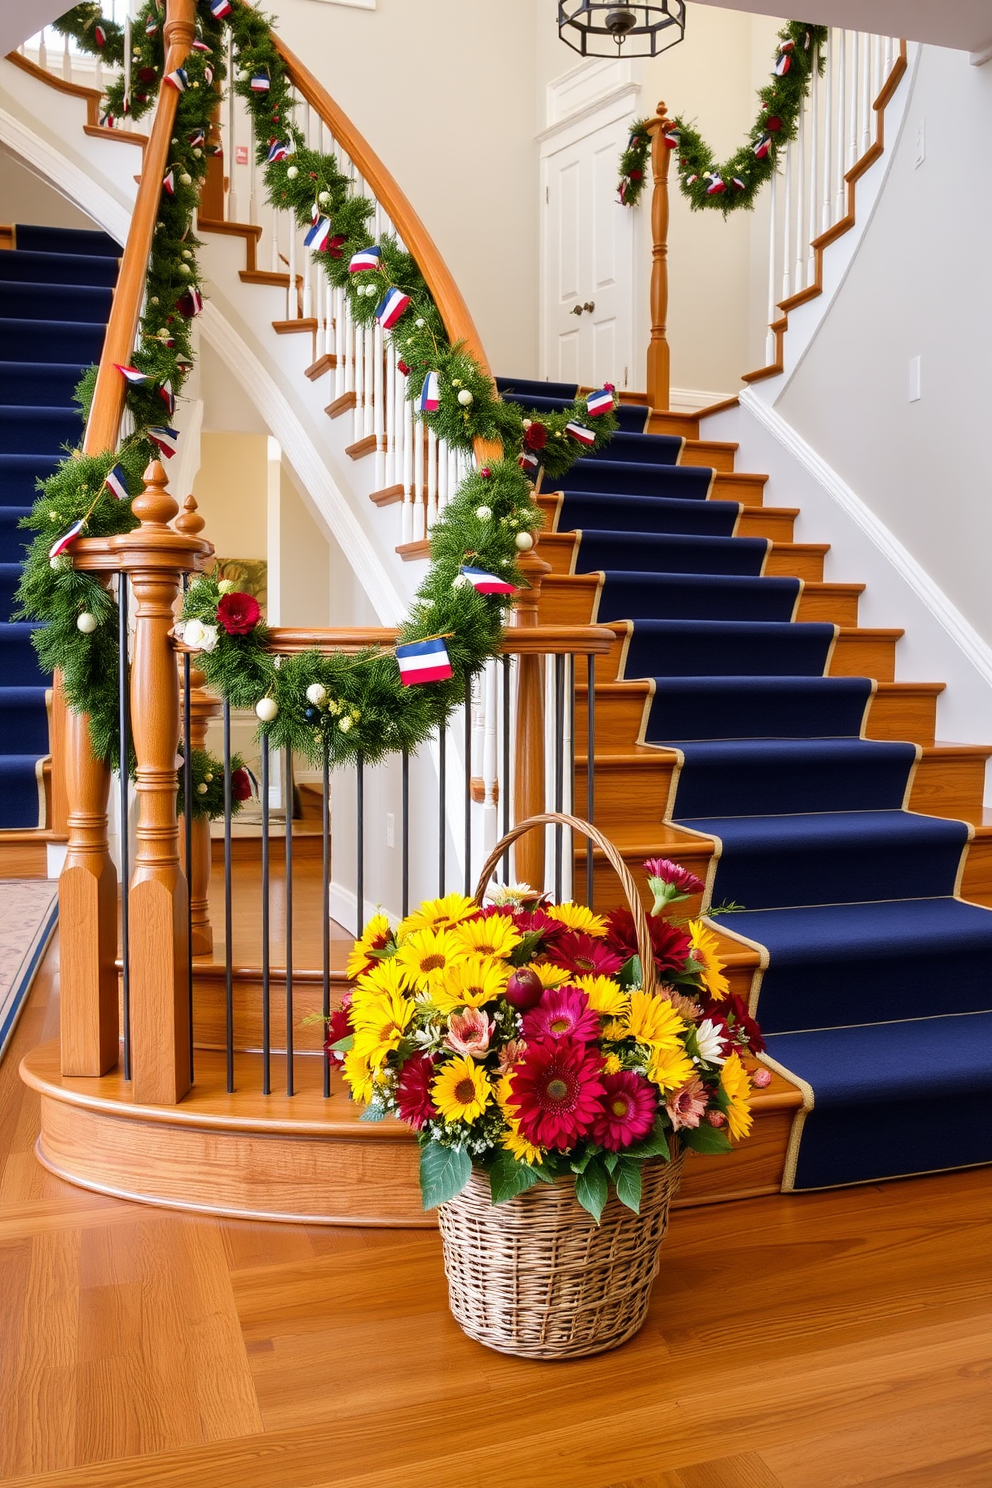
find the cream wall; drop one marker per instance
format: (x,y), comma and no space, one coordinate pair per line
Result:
(231,492)
(919,286)
(26,198)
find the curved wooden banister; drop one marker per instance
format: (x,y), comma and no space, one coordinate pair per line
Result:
(454,312)
(536,640)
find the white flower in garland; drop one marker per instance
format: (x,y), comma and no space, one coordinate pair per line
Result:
(200,637)
(709,1042)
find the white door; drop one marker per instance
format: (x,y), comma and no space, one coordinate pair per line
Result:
(588,274)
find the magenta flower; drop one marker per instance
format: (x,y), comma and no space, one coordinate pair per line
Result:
(626,1112)
(562,1013)
(669,882)
(687,1106)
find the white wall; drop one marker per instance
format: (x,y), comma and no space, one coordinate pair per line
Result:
(25,197)
(919,285)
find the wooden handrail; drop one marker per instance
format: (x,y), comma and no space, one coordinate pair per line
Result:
(448,297)
(535,640)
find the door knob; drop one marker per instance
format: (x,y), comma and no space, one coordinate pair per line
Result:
(576,310)
(589,305)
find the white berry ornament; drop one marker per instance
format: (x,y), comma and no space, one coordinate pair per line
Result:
(316,694)
(465,397)
(524,542)
(86,622)
(266,709)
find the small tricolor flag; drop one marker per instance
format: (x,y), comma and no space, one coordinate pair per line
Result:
(783,64)
(599,403)
(486,583)
(117,481)
(622,190)
(190,303)
(716,186)
(580,433)
(316,238)
(198,139)
(430,394)
(133,375)
(423,661)
(672,139)
(260,82)
(208,75)
(151,27)
(168,398)
(166,439)
(391,307)
(169,183)
(367,258)
(763,146)
(178,79)
(401,366)
(530,464)
(220,8)
(201,46)
(736,181)
(68,538)
(100,36)
(279,150)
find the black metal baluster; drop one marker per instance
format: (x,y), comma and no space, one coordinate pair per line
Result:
(266,1007)
(124,729)
(505,782)
(360,867)
(228,914)
(468,786)
(405,834)
(559,770)
(442,797)
(288,793)
(325,827)
(590,767)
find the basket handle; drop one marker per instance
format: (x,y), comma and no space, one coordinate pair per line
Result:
(586,829)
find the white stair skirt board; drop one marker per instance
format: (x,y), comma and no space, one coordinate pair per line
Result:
(940,643)
(691,400)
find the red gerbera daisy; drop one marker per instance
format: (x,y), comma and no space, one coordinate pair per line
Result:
(586,955)
(671,945)
(626,1112)
(413,1091)
(556,1090)
(562,1013)
(731,1014)
(338,1027)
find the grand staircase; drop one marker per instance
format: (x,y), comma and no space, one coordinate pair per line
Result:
(751,730)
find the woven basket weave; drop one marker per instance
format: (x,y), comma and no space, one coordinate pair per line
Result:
(536,1276)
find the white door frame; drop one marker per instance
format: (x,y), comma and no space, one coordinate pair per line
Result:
(580,102)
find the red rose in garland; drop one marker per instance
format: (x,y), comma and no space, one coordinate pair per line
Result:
(536,437)
(238,613)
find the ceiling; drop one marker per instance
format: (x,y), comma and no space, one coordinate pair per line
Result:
(965,24)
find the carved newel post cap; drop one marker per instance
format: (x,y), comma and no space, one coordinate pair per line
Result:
(190,523)
(155,506)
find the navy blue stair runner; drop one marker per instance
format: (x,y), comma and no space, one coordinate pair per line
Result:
(876,979)
(55,293)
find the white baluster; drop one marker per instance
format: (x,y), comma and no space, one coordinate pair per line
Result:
(230,144)
(368,406)
(392,375)
(340,336)
(97,72)
(853,130)
(420,528)
(292,294)
(127,60)
(799,281)
(442,475)
(787,226)
(66,61)
(43,50)
(274,260)
(431,478)
(490,758)
(828,141)
(841,193)
(452,472)
(350,337)
(770,345)
(408,433)
(254,215)
(814,161)
(878,77)
(360,361)
(866,96)
(379,409)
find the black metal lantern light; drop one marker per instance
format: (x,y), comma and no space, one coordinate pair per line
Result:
(602,28)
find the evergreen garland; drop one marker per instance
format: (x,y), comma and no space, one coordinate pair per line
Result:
(208,785)
(634,163)
(362,705)
(734,184)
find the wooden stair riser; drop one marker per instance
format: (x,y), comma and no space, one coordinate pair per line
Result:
(23,854)
(748,489)
(976,878)
(903,711)
(621,712)
(837,604)
(951,784)
(682,425)
(776,522)
(865,653)
(710,454)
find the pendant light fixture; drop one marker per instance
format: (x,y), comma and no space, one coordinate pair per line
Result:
(602,28)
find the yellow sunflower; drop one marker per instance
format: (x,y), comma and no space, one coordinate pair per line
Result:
(359,1077)
(604,994)
(462,1090)
(551,976)
(517,1145)
(495,936)
(386,976)
(737,1086)
(577,917)
(361,953)
(704,950)
(653,1020)
(436,914)
(379,1023)
(471,983)
(427,954)
(670,1068)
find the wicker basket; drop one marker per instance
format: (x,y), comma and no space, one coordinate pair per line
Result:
(536,1276)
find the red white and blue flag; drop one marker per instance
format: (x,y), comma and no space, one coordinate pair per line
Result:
(423,661)
(166,439)
(486,583)
(151,27)
(279,150)
(316,238)
(260,82)
(530,464)
(133,375)
(391,307)
(783,64)
(220,8)
(599,403)
(580,433)
(367,258)
(190,303)
(169,184)
(716,186)
(201,46)
(117,481)
(168,398)
(67,539)
(430,394)
(198,139)
(178,79)
(672,139)
(99,36)
(401,366)
(763,146)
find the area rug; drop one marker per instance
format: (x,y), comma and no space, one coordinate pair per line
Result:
(29,908)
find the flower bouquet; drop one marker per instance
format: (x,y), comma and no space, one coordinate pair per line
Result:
(548,1056)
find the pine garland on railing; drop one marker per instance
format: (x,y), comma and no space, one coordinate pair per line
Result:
(734,184)
(352,704)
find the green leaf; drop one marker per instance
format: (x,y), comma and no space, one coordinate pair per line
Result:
(372,1113)
(654,1145)
(444,1172)
(630,974)
(705,1138)
(592,1189)
(629,1185)
(610,1160)
(541,1173)
(580,1163)
(344,1044)
(507,1178)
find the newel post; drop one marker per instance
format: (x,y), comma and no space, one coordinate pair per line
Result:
(529,777)
(659,356)
(154,555)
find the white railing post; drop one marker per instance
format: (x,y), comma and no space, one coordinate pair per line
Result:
(66,60)
(358,429)
(772,242)
(828,124)
(866,95)
(841,195)
(852,125)
(379,408)
(407,523)
(813,193)
(392,392)
(419,513)
(787,226)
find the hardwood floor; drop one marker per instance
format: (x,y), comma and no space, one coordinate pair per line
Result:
(804,1342)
